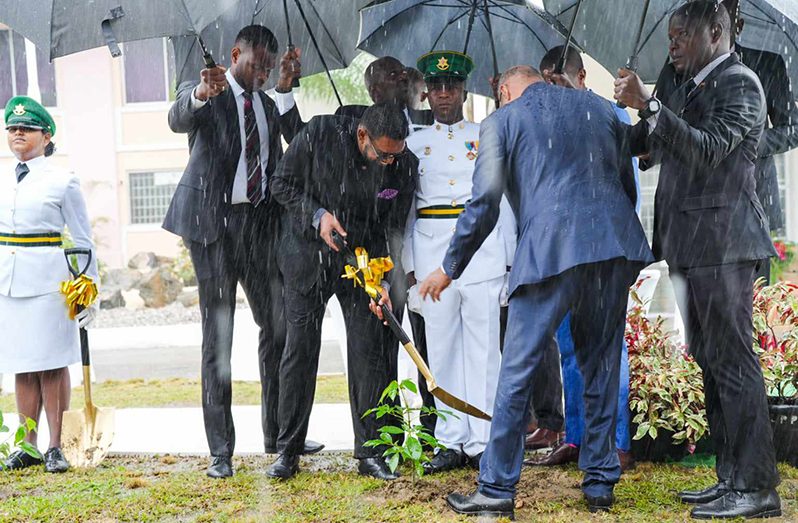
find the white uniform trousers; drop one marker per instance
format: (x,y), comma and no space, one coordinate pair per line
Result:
(463,351)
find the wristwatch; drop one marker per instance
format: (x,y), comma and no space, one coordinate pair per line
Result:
(652,107)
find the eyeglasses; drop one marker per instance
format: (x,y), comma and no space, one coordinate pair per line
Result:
(384,157)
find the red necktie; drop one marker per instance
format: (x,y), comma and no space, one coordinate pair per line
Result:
(252,151)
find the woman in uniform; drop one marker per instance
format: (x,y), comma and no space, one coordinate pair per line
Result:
(39,339)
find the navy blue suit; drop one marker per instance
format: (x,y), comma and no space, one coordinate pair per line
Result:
(562,159)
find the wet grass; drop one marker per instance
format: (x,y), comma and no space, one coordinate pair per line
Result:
(170,488)
(176,392)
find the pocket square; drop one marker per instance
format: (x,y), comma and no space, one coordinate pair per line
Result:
(387,194)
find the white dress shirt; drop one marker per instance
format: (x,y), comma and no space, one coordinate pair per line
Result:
(239,194)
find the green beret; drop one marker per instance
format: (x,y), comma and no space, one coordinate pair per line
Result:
(445,64)
(23,111)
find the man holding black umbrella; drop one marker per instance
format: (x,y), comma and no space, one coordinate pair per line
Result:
(223,211)
(711,229)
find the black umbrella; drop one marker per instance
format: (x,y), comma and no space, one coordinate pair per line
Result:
(325,30)
(497,34)
(69,26)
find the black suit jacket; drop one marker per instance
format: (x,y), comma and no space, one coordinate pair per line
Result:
(201,202)
(706,209)
(781,133)
(323,168)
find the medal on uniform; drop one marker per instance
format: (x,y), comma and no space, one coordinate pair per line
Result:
(427,150)
(473,148)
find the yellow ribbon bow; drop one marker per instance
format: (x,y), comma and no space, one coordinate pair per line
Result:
(369,273)
(80,291)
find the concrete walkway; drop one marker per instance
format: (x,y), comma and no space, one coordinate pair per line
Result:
(181,430)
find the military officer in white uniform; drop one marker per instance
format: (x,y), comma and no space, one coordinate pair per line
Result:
(462,329)
(37,200)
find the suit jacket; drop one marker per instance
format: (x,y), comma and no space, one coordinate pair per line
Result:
(781,131)
(568,178)
(706,209)
(323,168)
(201,202)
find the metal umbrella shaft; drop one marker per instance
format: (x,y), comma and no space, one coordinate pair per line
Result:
(318,50)
(634,59)
(560,67)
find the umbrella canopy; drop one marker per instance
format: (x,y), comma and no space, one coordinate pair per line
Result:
(406,29)
(606,30)
(333,23)
(68,26)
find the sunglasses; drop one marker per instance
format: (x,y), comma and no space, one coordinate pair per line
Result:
(382,156)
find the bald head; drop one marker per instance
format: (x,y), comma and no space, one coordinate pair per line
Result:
(386,81)
(514,81)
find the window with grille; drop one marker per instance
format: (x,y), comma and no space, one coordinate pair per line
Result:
(150,194)
(17,69)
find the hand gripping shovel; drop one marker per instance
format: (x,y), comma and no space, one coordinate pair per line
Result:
(87,433)
(446,397)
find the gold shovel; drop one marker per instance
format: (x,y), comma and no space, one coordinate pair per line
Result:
(87,433)
(358,266)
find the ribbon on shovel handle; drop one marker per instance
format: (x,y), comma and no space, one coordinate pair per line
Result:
(368,274)
(81,291)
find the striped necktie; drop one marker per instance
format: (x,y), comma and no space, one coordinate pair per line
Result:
(252,152)
(21,170)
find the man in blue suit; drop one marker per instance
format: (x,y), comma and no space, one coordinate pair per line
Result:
(561,157)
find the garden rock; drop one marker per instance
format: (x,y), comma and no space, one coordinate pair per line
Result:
(160,287)
(189,297)
(133,299)
(143,261)
(111,299)
(121,279)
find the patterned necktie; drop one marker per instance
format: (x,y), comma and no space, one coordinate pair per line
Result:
(252,151)
(21,170)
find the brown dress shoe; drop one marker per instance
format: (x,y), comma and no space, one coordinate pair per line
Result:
(542,439)
(559,455)
(627,460)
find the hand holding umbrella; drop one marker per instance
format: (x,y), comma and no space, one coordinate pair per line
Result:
(630,90)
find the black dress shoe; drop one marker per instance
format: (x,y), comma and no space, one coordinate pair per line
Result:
(477,504)
(474,461)
(284,467)
(599,503)
(376,468)
(311,447)
(446,459)
(54,461)
(706,495)
(21,460)
(735,504)
(220,467)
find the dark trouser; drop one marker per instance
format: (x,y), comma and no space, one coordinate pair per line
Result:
(716,303)
(371,360)
(244,253)
(763,270)
(420,341)
(595,294)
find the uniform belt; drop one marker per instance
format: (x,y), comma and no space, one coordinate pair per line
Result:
(440,211)
(39,239)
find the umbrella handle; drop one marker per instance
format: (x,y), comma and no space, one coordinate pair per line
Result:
(206,54)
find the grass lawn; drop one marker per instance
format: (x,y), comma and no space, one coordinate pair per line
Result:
(182,393)
(171,488)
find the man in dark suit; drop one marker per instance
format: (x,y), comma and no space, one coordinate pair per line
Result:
(710,228)
(571,185)
(781,129)
(357,179)
(223,211)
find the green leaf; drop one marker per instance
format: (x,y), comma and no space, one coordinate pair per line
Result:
(2,424)
(20,435)
(409,385)
(390,429)
(30,450)
(414,448)
(386,438)
(419,468)
(30,424)
(642,429)
(393,462)
(652,432)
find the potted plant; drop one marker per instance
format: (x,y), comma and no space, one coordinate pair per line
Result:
(776,344)
(665,391)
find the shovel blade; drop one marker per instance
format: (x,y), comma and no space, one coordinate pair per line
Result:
(86,439)
(455,402)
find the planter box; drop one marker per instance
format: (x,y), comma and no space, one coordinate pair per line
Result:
(657,450)
(784,422)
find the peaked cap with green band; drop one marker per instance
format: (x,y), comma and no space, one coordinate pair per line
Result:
(445,64)
(24,111)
